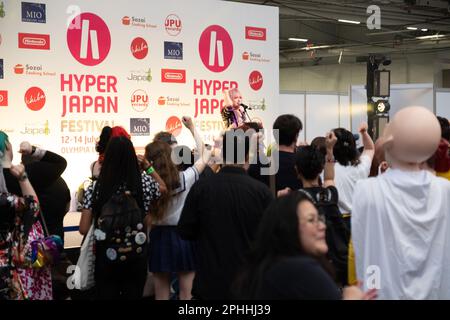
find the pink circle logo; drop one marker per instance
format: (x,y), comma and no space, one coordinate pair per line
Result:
(216,48)
(34,98)
(88,39)
(139,48)
(173,125)
(173,25)
(255,80)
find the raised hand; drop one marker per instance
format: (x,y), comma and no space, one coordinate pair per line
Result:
(330,139)
(187,121)
(25,148)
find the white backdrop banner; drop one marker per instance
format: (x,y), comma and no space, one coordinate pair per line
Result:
(68,68)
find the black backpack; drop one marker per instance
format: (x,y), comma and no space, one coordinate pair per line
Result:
(120,233)
(337,233)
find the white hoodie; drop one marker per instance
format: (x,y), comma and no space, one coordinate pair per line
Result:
(401,234)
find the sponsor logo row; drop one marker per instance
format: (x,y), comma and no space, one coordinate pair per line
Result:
(138,127)
(89,39)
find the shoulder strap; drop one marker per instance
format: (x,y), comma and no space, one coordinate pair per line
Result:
(92,168)
(310,197)
(44,224)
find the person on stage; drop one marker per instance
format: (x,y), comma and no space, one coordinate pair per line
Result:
(233,114)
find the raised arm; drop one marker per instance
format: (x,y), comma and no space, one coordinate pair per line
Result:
(148,168)
(43,167)
(369,146)
(18,171)
(328,175)
(227,99)
(204,154)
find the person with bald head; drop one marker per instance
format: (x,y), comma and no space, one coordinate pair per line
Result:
(401,219)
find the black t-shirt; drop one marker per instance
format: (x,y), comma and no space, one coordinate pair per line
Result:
(299,277)
(287,175)
(222,212)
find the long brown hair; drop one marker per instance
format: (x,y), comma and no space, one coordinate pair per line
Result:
(158,152)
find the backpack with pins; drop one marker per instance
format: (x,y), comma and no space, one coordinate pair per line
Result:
(120,233)
(337,234)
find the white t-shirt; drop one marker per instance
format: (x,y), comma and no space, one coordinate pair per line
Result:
(401,234)
(345,179)
(187,180)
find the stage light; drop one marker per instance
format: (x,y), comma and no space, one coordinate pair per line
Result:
(382,107)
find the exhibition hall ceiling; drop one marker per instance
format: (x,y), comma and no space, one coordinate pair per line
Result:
(383,27)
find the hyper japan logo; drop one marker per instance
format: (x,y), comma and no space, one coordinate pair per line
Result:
(173,24)
(255,80)
(139,100)
(216,48)
(139,48)
(174,126)
(34,98)
(88,39)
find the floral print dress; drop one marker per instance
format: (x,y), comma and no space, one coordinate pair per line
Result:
(19,227)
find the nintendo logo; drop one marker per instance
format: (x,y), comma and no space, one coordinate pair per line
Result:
(173,75)
(34,41)
(253,33)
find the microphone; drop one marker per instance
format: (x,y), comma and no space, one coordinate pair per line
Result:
(246,107)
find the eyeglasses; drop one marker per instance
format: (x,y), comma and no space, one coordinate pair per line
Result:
(315,220)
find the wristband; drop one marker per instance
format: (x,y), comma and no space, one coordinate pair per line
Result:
(150,170)
(23,177)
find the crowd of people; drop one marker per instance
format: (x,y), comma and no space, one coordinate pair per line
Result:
(317,228)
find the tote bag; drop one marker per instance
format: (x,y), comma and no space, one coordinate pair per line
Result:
(84,272)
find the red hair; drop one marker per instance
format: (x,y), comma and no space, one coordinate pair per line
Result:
(118,131)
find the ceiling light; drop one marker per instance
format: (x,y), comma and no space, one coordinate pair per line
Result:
(298,39)
(315,47)
(435,36)
(424,30)
(411,28)
(349,21)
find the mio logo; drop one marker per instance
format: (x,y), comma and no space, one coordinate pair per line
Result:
(140,126)
(173,50)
